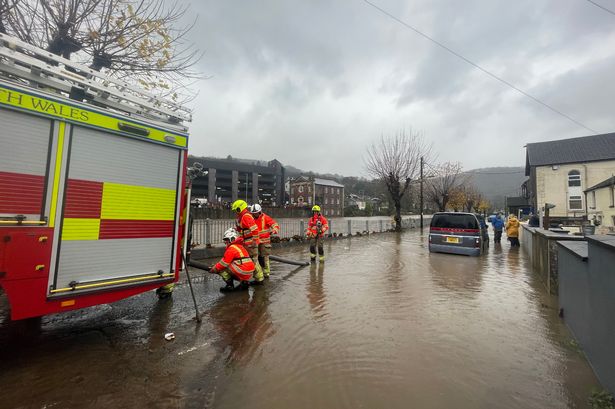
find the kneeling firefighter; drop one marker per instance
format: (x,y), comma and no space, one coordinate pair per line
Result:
(317,226)
(266,227)
(236,264)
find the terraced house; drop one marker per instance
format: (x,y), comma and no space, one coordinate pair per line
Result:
(561,171)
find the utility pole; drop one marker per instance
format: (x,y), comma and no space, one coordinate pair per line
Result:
(421,204)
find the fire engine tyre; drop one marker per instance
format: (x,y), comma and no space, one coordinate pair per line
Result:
(287,261)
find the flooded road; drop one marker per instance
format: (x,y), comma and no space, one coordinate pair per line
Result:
(381,324)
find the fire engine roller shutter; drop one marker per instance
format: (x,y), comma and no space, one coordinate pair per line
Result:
(119,208)
(24,146)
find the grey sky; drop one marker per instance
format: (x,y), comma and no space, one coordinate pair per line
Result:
(313,83)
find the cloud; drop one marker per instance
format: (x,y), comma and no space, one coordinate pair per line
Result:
(313,83)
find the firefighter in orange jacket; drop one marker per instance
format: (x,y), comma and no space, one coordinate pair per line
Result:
(266,227)
(248,232)
(236,264)
(317,226)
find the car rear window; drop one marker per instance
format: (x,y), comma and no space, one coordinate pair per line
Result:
(454,221)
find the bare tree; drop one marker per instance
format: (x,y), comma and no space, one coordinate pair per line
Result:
(6,6)
(448,178)
(136,40)
(396,161)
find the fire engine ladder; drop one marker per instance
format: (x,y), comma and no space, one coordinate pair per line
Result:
(22,62)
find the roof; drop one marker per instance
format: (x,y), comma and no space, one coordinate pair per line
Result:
(327,182)
(516,201)
(609,182)
(575,150)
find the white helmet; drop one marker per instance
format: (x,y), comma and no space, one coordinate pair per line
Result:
(256,208)
(231,235)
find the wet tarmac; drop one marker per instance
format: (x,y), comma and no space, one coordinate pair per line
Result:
(381,324)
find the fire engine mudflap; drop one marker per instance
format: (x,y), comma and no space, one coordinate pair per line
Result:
(91,194)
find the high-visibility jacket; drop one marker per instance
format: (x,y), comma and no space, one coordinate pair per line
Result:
(266,227)
(313,226)
(512,227)
(237,259)
(246,226)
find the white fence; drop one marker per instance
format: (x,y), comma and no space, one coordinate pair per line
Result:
(210,231)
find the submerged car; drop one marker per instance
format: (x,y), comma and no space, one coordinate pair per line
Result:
(456,233)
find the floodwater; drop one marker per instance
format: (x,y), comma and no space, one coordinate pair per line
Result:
(381,324)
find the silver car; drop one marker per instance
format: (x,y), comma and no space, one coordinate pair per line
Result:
(456,233)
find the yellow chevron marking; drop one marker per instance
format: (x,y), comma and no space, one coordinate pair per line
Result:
(126,202)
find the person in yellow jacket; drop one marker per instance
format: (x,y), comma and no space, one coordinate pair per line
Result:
(512,230)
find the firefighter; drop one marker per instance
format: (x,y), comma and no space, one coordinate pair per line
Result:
(248,232)
(236,264)
(317,226)
(266,226)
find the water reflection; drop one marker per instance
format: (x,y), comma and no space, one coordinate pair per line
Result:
(315,291)
(457,274)
(243,323)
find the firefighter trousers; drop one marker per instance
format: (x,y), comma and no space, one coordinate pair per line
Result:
(316,242)
(258,271)
(264,250)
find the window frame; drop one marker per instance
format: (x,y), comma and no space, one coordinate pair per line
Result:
(574,176)
(575,198)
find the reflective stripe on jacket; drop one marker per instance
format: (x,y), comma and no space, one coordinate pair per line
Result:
(247,228)
(237,259)
(266,227)
(313,226)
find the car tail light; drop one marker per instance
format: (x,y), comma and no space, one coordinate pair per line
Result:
(477,244)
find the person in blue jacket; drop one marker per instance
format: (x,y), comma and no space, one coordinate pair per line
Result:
(498,225)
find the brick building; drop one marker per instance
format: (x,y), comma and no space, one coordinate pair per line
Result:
(328,194)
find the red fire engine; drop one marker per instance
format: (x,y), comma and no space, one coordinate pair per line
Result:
(92,181)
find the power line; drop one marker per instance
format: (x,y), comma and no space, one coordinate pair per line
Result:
(475,65)
(601,7)
(495,173)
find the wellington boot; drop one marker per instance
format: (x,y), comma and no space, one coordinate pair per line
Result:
(322,258)
(228,288)
(256,282)
(242,286)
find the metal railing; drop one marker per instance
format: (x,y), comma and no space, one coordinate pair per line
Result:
(211,231)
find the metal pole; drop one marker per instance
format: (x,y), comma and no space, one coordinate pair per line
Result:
(196,308)
(207,232)
(350,227)
(421,204)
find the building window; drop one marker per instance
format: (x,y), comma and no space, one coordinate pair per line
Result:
(310,200)
(575,203)
(326,201)
(613,196)
(300,189)
(574,178)
(326,190)
(300,200)
(338,201)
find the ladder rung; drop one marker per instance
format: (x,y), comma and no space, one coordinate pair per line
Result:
(30,63)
